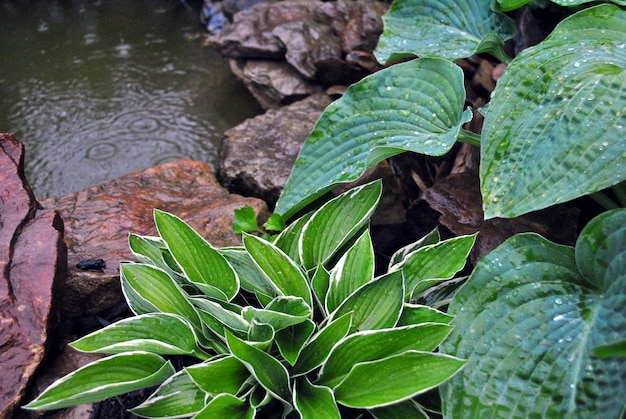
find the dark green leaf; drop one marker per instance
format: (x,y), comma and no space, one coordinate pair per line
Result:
(290,340)
(315,402)
(221,375)
(227,406)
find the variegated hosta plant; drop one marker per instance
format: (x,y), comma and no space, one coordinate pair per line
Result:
(295,327)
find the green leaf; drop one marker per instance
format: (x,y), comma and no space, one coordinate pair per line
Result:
(104,378)
(555,129)
(178,396)
(280,313)
(226,317)
(160,333)
(290,340)
(508,5)
(375,305)
(372,345)
(275,223)
(251,277)
(571,3)
(334,224)
(317,350)
(270,373)
(319,284)
(245,221)
(354,269)
(227,406)
(528,315)
(315,402)
(414,106)
(399,256)
(202,264)
(435,263)
(402,410)
(289,238)
(283,272)
(394,379)
(157,288)
(416,314)
(221,375)
(617,348)
(450,29)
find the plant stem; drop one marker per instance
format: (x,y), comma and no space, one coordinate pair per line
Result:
(604,201)
(468,137)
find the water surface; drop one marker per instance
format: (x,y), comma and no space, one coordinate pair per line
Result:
(98,89)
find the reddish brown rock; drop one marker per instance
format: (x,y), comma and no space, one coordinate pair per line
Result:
(32,269)
(99,219)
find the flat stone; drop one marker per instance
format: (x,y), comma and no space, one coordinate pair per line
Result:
(258,154)
(32,269)
(99,219)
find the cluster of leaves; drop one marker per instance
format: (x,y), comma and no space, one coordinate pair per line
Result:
(541,325)
(297,327)
(300,326)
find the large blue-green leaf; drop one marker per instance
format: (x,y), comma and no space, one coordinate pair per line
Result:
(413,106)
(376,305)
(390,380)
(220,375)
(556,127)
(335,222)
(283,273)
(371,345)
(104,378)
(354,269)
(202,264)
(178,396)
(160,333)
(451,29)
(528,320)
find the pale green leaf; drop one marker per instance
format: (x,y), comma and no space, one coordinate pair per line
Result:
(354,269)
(229,318)
(202,264)
(377,344)
(104,378)
(450,29)
(283,272)
(221,375)
(414,106)
(160,333)
(227,406)
(177,397)
(416,314)
(334,224)
(315,402)
(556,126)
(376,305)
(268,371)
(394,379)
(528,315)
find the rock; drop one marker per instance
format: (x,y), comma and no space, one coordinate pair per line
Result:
(32,265)
(99,219)
(457,198)
(323,43)
(273,83)
(257,155)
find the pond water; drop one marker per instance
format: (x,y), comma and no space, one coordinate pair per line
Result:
(98,89)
